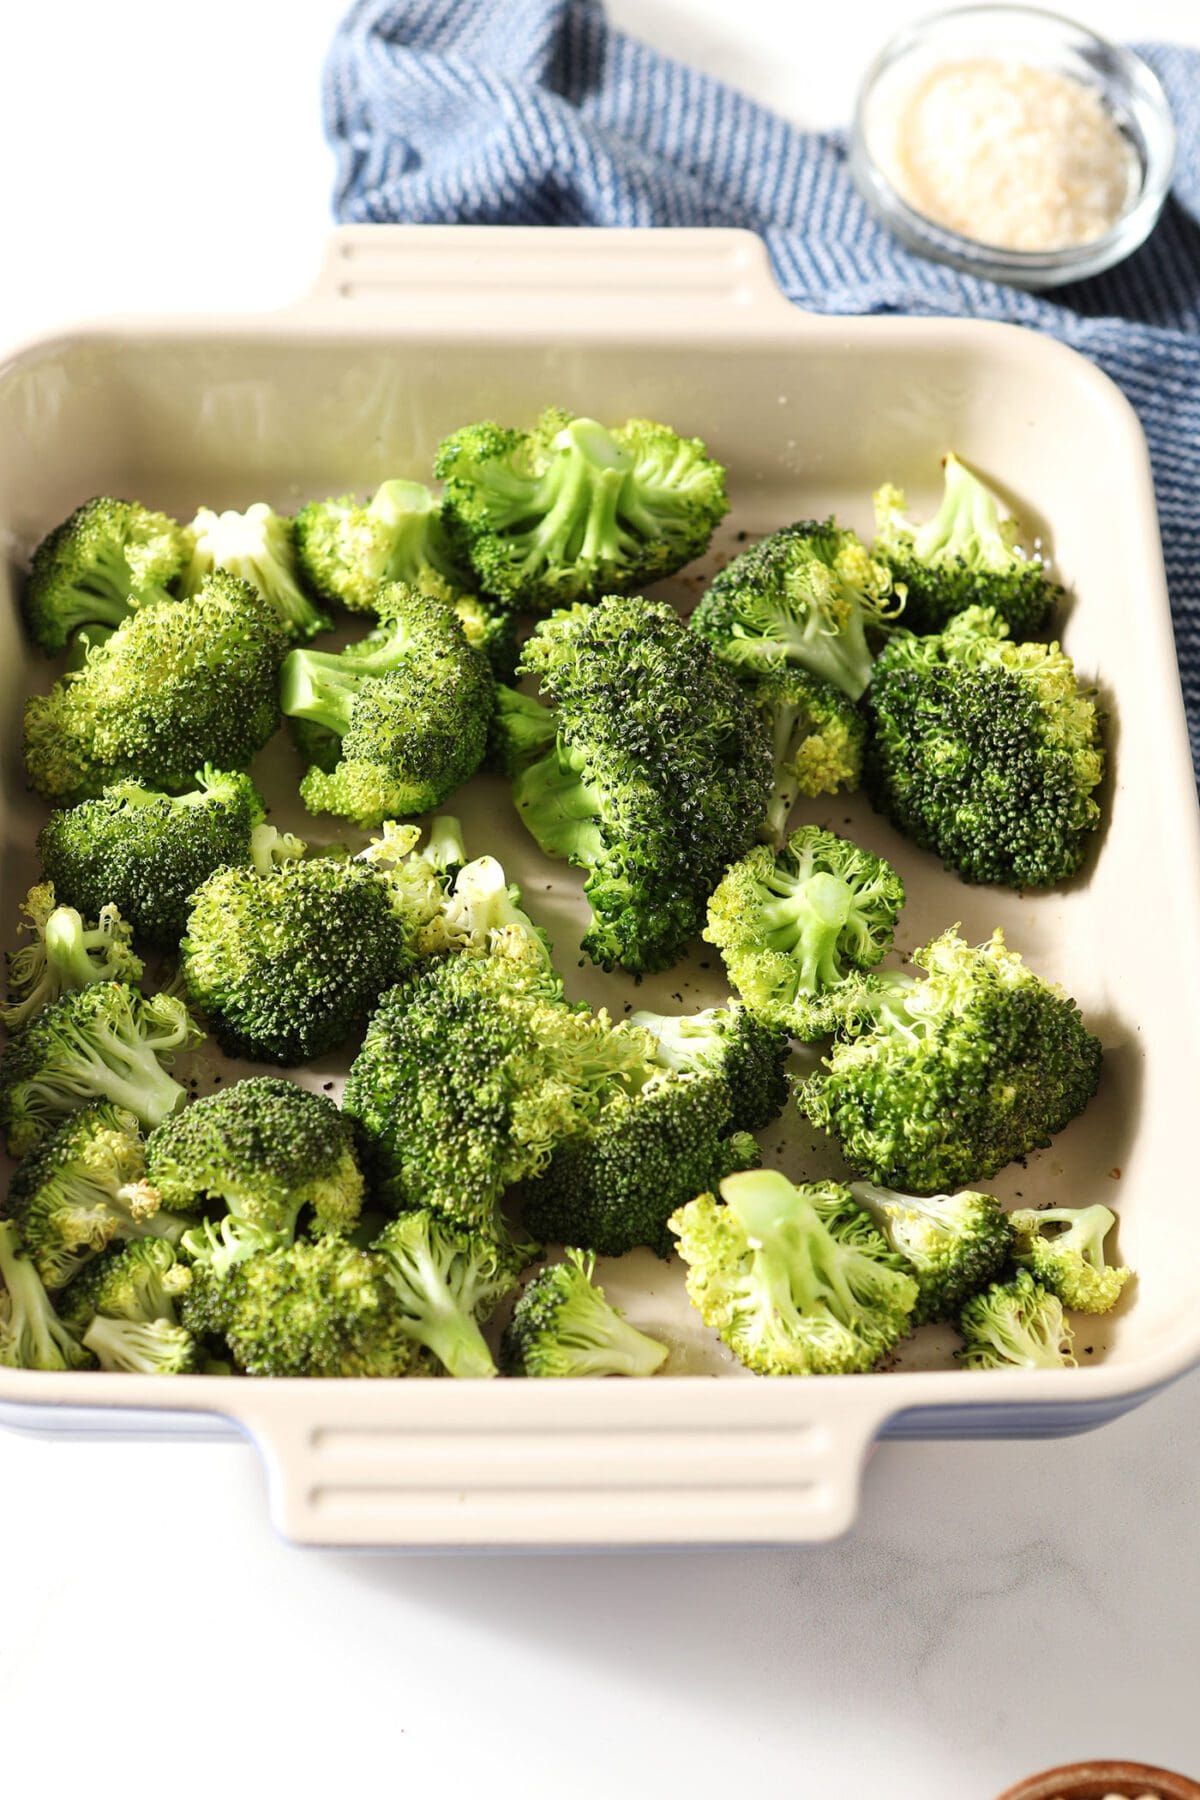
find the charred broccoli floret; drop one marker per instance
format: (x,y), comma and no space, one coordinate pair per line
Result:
(32,1336)
(954,1244)
(796,1280)
(258,546)
(1015,1324)
(410,706)
(941,1081)
(806,596)
(446,1283)
(349,548)
(966,555)
(1069,1262)
(985,751)
(102,1042)
(564,1326)
(657,779)
(727,1041)
(171,689)
(65,953)
(571,510)
(109,558)
(124,1306)
(817,734)
(792,927)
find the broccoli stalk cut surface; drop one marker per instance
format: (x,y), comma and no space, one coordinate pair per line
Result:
(32,1336)
(935,1082)
(1015,1324)
(564,1326)
(1069,1262)
(108,559)
(65,954)
(817,734)
(445,1282)
(258,547)
(796,1280)
(348,550)
(803,596)
(966,555)
(103,1042)
(571,510)
(791,928)
(727,1041)
(954,1243)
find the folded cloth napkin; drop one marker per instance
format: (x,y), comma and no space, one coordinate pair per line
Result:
(536,112)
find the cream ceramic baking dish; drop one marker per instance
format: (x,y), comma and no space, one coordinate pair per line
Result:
(412,331)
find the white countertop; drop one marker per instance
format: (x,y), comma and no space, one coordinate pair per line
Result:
(998,1607)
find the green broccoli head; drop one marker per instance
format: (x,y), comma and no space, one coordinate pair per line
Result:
(817,734)
(986,752)
(103,563)
(266,1150)
(940,1081)
(1015,1324)
(954,1244)
(792,927)
(83,1188)
(410,704)
(658,777)
(65,953)
(966,555)
(286,963)
(172,688)
(796,1280)
(124,1306)
(32,1336)
(616,1184)
(571,510)
(348,549)
(804,596)
(446,1282)
(106,1041)
(468,1077)
(258,546)
(563,1326)
(318,1309)
(147,852)
(730,1042)
(1063,1248)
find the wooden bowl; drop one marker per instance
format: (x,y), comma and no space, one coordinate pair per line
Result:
(1097,1780)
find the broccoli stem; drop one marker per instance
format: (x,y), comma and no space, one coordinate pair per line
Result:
(68,946)
(323,685)
(787,787)
(966,527)
(38,1338)
(129,1074)
(434,1314)
(600,1342)
(135,1346)
(445,848)
(560,809)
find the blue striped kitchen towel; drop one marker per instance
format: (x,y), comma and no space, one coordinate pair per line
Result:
(536,112)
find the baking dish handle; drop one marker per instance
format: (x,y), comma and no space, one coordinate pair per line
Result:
(523,1465)
(561,277)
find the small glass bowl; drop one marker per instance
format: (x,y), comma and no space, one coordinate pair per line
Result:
(1129,90)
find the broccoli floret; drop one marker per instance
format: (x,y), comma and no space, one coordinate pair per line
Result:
(942,1081)
(817,735)
(265,1149)
(470,1074)
(174,687)
(564,1326)
(491,629)
(319,1309)
(417,881)
(1070,1262)
(147,852)
(730,1042)
(966,555)
(1015,1324)
(481,912)
(410,705)
(805,595)
(791,927)
(32,1336)
(258,546)
(65,953)
(83,1187)
(570,510)
(796,1280)
(658,778)
(109,558)
(953,1243)
(615,1185)
(103,1042)
(285,964)
(349,549)
(446,1282)
(124,1307)
(985,751)
(125,1347)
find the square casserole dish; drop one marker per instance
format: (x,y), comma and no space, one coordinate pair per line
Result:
(412,331)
